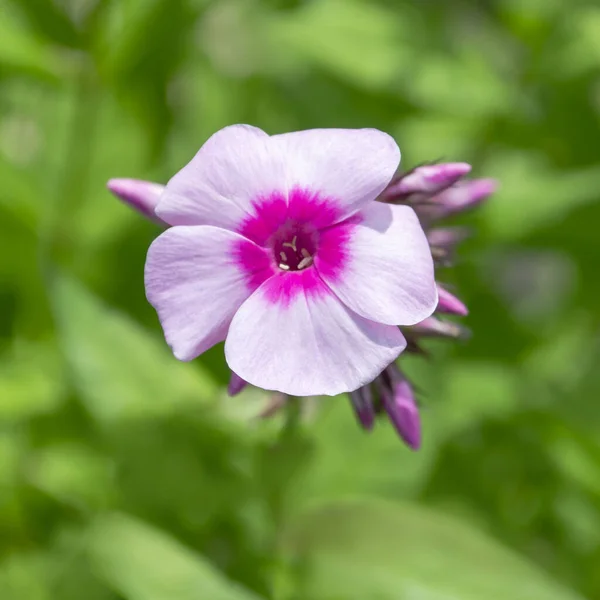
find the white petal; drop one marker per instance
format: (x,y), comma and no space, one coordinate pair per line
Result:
(234,168)
(196,278)
(293,335)
(349,166)
(380,266)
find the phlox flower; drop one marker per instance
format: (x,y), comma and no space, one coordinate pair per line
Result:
(305,252)
(278,247)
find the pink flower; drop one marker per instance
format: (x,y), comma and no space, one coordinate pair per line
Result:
(278,247)
(434,192)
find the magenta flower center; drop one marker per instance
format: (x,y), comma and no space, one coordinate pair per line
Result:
(294,246)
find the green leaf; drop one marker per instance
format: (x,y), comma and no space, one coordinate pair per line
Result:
(120,370)
(143,563)
(391,551)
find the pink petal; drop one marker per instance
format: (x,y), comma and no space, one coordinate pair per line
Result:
(350,166)
(196,278)
(237,165)
(379,264)
(294,336)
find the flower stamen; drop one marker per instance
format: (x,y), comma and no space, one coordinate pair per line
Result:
(291,244)
(294,246)
(305,262)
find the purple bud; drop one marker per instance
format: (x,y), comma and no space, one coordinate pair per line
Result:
(425,181)
(236,384)
(463,196)
(362,402)
(140,195)
(450,304)
(434,327)
(399,403)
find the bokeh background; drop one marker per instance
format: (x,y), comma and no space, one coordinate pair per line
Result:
(125,475)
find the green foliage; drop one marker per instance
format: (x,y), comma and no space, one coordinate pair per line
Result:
(145,564)
(395,556)
(125,475)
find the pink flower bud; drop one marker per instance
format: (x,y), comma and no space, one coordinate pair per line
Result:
(434,327)
(463,196)
(450,304)
(236,384)
(141,195)
(425,181)
(362,402)
(398,401)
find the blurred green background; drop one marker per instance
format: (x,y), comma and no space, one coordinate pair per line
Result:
(125,475)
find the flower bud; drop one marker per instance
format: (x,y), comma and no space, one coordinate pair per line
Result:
(236,384)
(398,401)
(142,196)
(434,327)
(425,181)
(463,196)
(362,402)
(450,304)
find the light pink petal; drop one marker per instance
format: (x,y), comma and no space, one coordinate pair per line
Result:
(196,278)
(237,165)
(294,336)
(348,166)
(379,264)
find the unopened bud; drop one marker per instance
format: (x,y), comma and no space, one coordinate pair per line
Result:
(425,181)
(362,402)
(236,384)
(450,304)
(141,195)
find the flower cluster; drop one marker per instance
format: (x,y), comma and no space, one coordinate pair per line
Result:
(309,258)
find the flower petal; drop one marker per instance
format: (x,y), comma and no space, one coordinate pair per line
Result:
(350,166)
(379,264)
(294,336)
(196,278)
(237,165)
